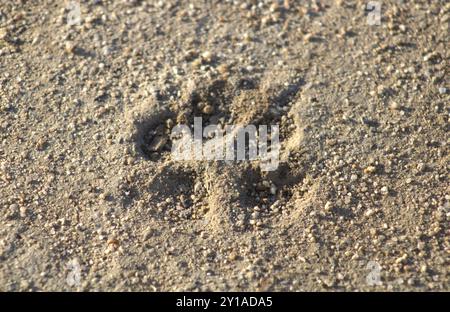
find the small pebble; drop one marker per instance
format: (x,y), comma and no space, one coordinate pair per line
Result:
(23,211)
(208,109)
(223,69)
(70,47)
(273,189)
(207,56)
(3,34)
(370,170)
(394,106)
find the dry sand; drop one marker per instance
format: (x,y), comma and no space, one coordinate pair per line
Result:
(91,199)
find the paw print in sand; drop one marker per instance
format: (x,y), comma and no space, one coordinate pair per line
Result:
(225,195)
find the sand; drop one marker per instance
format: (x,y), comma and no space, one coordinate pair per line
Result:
(91,198)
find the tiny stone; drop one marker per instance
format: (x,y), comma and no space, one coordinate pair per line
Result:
(421,167)
(23,211)
(35,40)
(273,189)
(265,20)
(69,47)
(106,50)
(158,143)
(208,109)
(307,37)
(3,34)
(381,89)
(223,69)
(394,106)
(232,256)
(24,284)
(370,169)
(207,56)
(198,187)
(196,63)
(169,123)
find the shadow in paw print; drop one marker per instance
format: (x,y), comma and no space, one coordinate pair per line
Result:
(264,189)
(172,194)
(238,193)
(150,130)
(218,102)
(152,125)
(156,141)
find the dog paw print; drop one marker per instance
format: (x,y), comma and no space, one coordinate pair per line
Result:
(226,196)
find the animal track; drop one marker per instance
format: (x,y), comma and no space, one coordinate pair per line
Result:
(222,194)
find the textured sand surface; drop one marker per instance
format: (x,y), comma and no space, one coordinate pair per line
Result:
(90,198)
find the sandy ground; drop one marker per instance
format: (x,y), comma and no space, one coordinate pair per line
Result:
(92,200)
